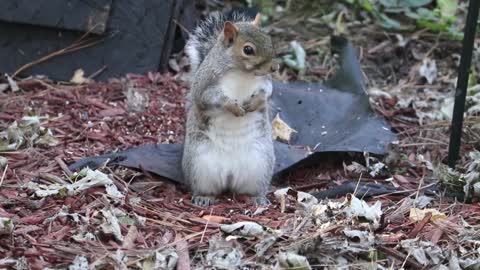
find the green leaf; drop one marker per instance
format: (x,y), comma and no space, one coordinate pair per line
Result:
(367,5)
(404,3)
(417,3)
(413,15)
(389,23)
(396,10)
(126,220)
(390,3)
(426,14)
(448,8)
(434,26)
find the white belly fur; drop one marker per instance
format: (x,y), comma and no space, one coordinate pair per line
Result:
(235,159)
(240,85)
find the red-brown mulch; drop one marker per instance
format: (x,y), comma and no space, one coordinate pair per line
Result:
(89,120)
(93,119)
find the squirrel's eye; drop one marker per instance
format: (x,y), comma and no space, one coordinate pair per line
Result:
(248,50)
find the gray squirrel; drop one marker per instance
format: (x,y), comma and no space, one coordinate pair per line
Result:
(228,140)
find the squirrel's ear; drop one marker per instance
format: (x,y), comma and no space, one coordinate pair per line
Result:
(257,20)
(229,32)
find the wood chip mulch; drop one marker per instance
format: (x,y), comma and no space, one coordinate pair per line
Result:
(97,118)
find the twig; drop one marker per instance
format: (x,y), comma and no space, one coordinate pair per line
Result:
(188,237)
(420,225)
(358,184)
(404,191)
(52,178)
(432,140)
(405,261)
(399,256)
(434,47)
(182,27)
(183,262)
(98,72)
(168,224)
(418,144)
(302,223)
(149,209)
(63,166)
(76,45)
(63,51)
(206,225)
(420,184)
(3,175)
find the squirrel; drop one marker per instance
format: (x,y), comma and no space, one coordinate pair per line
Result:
(228,139)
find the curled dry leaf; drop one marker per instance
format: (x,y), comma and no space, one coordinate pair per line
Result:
(91,179)
(13,85)
(281,130)
(245,229)
(418,214)
(305,200)
(79,77)
(111,225)
(26,130)
(224,254)
(290,260)
(360,208)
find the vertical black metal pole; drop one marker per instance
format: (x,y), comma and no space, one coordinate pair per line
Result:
(462,82)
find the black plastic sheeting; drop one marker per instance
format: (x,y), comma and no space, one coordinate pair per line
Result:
(135,36)
(330,117)
(76,15)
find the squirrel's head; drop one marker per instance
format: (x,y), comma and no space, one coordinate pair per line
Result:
(251,48)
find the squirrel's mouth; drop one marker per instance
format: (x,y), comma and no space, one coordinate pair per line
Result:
(261,73)
(266,68)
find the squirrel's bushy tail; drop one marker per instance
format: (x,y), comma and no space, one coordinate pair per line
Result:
(205,36)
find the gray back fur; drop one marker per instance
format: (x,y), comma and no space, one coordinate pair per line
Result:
(206,35)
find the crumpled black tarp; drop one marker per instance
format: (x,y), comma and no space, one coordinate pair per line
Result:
(330,117)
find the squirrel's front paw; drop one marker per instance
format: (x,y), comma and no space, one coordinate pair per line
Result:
(261,200)
(235,109)
(256,101)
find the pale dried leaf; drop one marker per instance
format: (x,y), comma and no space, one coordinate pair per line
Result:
(290,260)
(79,77)
(418,214)
(245,229)
(281,130)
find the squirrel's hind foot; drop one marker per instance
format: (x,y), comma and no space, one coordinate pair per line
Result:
(261,200)
(203,201)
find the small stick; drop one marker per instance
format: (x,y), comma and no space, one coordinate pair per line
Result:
(168,224)
(96,73)
(182,27)
(52,178)
(3,175)
(206,225)
(399,256)
(75,46)
(63,166)
(420,226)
(183,262)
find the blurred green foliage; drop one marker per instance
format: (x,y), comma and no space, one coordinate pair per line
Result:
(436,15)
